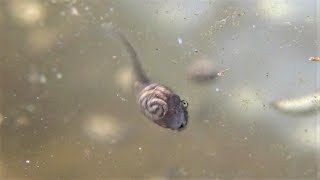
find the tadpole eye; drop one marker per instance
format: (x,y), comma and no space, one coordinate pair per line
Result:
(184,103)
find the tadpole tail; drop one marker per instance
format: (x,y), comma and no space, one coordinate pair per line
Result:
(134,60)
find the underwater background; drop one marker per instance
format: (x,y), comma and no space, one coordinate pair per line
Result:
(68,109)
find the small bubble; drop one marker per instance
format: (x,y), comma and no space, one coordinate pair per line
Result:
(179,40)
(140,148)
(27,161)
(217,89)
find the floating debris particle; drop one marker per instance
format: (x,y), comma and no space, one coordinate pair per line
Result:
(121,98)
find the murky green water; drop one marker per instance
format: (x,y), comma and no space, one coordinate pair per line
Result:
(68,110)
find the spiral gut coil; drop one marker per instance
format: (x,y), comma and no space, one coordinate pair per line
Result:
(153,100)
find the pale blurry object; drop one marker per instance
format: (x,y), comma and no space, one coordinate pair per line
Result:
(75,12)
(103,128)
(124,78)
(35,77)
(203,70)
(1,118)
(41,40)
(314,59)
(27,12)
(305,104)
(22,121)
(275,9)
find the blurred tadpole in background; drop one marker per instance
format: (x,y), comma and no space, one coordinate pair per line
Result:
(299,105)
(27,12)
